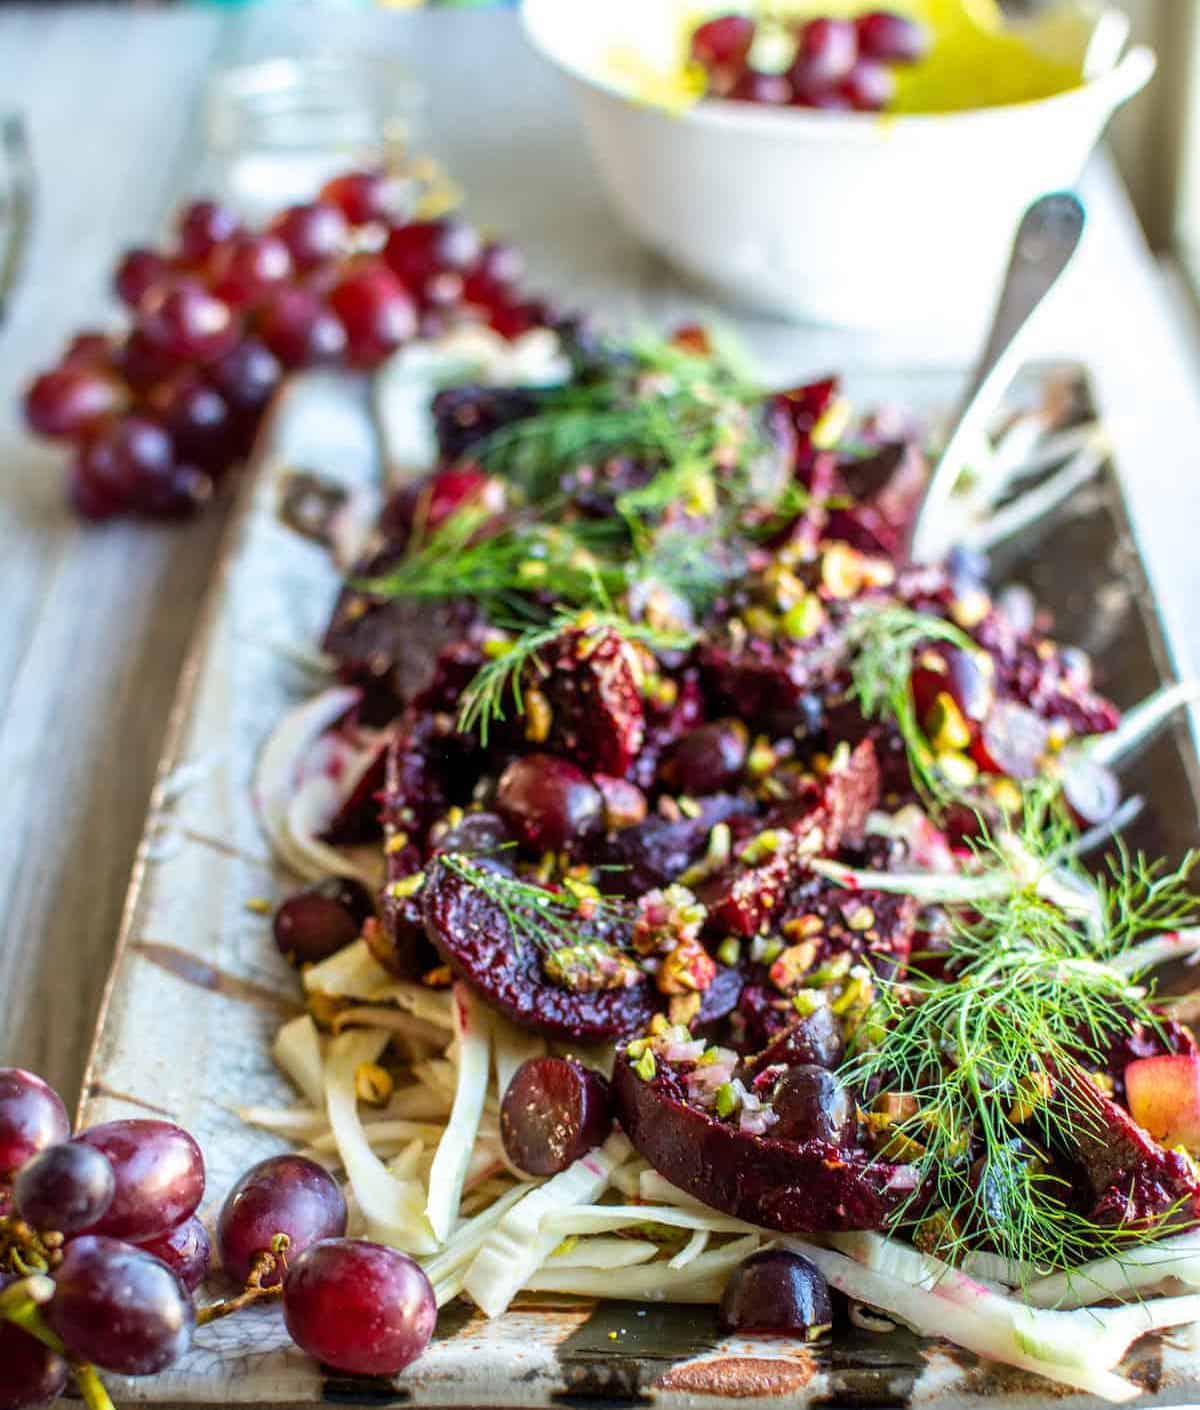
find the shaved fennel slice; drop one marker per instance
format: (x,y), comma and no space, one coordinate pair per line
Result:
(1137,1269)
(1175,945)
(281,761)
(1092,1336)
(603,1218)
(467,1239)
(384,1135)
(298,1052)
(392,1208)
(518,1246)
(982,1321)
(472,1026)
(513,1046)
(352,973)
(703,1281)
(603,1252)
(691,1250)
(405,1165)
(297,1123)
(657,1189)
(312,808)
(430,1005)
(425,1035)
(627,1180)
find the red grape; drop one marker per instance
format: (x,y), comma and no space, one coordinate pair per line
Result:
(140,271)
(32,1117)
(359,1307)
(89,499)
(548,802)
(376,311)
(143,364)
(892,38)
(723,42)
(869,86)
(120,1308)
(753,86)
(65,1188)
(129,461)
(90,349)
(203,225)
(828,48)
(248,266)
(812,1105)
(362,196)
(33,1374)
(314,233)
(70,402)
(423,248)
(188,323)
(710,758)
(777,1291)
(197,418)
(498,269)
(554,1111)
(186,1250)
(247,376)
(322,919)
(185,490)
(300,330)
(286,1194)
(159,1172)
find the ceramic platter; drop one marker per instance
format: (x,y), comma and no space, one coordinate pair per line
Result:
(198,989)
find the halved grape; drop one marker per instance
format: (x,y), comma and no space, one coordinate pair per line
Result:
(1012,741)
(322,919)
(159,1176)
(120,1308)
(554,1111)
(65,1188)
(812,1105)
(32,1374)
(780,1292)
(359,1307)
(285,1194)
(186,1250)
(32,1117)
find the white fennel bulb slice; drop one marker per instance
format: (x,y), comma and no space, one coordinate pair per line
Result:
(298,1053)
(472,1027)
(1136,1270)
(351,973)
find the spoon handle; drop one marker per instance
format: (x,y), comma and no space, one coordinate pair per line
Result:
(1046,240)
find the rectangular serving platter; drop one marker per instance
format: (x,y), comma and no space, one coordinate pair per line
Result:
(197,989)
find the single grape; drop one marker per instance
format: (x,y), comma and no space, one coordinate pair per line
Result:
(247,376)
(754,86)
(300,330)
(71,402)
(828,48)
(159,1172)
(359,1307)
(188,323)
(554,1111)
(777,1292)
(197,419)
(139,272)
(422,248)
(250,265)
(186,1250)
(65,1188)
(314,233)
(185,490)
(90,499)
(322,919)
(203,226)
(32,1374)
(286,1194)
(723,42)
(710,758)
(362,196)
(499,268)
(375,310)
(91,349)
(812,1105)
(130,462)
(120,1308)
(892,38)
(32,1117)
(869,86)
(548,802)
(143,364)
(1012,741)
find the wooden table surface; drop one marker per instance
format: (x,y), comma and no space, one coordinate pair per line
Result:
(95,622)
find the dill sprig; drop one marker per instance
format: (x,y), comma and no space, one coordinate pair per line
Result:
(549,920)
(994,1054)
(483,701)
(884,642)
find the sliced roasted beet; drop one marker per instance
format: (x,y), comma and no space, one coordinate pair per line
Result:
(796,1187)
(658,851)
(849,792)
(887,488)
(554,1111)
(595,700)
(771,681)
(472,934)
(548,802)
(359,819)
(721,997)
(775,1291)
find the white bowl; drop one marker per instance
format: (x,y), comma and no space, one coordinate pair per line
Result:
(842,218)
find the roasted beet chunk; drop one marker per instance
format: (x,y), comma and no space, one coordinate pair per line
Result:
(793,1186)
(659,850)
(774,681)
(464,416)
(886,487)
(592,687)
(470,930)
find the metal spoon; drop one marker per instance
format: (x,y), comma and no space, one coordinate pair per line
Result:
(1046,240)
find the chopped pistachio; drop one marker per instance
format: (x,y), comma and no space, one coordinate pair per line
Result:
(259,906)
(959,770)
(407,885)
(727,1099)
(538,715)
(372,1084)
(804,618)
(646,1067)
(945,725)
(729,951)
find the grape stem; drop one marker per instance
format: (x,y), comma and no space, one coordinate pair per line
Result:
(264,1265)
(20,1304)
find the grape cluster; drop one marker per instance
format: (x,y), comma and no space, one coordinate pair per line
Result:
(218,320)
(101,1252)
(838,64)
